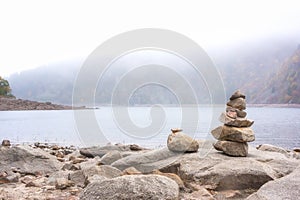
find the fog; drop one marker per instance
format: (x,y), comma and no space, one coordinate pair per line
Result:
(39,33)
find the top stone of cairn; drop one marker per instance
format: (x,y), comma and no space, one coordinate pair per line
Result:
(236,95)
(237,100)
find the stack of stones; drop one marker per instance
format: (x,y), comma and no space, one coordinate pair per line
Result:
(236,132)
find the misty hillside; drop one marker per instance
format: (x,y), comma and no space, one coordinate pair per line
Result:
(284,85)
(268,72)
(47,83)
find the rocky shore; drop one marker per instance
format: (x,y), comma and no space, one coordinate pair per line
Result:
(43,171)
(20,104)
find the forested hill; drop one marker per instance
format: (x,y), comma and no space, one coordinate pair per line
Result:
(267,73)
(284,85)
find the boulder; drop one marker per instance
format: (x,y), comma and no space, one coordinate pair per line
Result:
(52,179)
(180,142)
(283,188)
(219,172)
(132,187)
(269,147)
(110,157)
(6,143)
(78,178)
(233,134)
(27,160)
(92,152)
(146,162)
(236,95)
(232,148)
(238,103)
(102,170)
(237,122)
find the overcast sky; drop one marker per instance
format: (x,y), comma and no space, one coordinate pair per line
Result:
(34,33)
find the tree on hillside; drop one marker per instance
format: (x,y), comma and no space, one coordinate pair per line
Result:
(4,87)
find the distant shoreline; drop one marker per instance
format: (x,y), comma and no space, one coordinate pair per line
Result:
(13,104)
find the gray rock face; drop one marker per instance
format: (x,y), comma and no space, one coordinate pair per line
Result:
(203,175)
(110,157)
(27,160)
(238,122)
(79,178)
(232,174)
(102,170)
(133,187)
(92,152)
(180,142)
(148,161)
(233,134)
(284,188)
(239,103)
(232,148)
(269,147)
(218,172)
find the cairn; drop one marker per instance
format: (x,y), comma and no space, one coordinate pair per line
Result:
(236,132)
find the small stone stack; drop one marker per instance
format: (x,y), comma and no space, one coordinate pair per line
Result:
(236,132)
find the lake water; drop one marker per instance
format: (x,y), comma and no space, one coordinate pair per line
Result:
(277,126)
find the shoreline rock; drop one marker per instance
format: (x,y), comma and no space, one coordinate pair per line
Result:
(10,104)
(36,171)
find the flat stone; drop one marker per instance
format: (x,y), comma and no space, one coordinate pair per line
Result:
(269,147)
(237,122)
(238,103)
(234,113)
(232,148)
(233,134)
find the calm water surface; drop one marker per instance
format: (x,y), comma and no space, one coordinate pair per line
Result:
(277,126)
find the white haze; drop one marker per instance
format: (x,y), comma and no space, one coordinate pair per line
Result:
(36,33)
